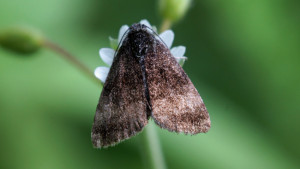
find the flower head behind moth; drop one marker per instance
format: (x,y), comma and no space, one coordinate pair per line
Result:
(107,54)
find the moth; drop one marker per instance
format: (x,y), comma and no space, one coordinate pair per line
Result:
(145,81)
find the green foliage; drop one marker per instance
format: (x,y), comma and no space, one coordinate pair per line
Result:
(243,57)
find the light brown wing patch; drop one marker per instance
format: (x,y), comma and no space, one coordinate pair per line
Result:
(176,104)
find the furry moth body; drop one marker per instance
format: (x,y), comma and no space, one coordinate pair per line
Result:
(145,81)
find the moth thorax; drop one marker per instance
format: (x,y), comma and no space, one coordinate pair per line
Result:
(139,42)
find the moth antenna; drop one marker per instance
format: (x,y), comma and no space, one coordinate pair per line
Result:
(157,35)
(121,41)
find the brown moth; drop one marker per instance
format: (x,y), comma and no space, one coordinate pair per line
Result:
(145,81)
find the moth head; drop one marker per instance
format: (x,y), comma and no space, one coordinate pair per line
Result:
(140,39)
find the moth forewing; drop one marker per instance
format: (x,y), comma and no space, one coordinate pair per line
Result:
(122,109)
(146,81)
(176,104)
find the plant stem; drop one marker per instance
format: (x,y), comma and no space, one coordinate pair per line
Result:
(166,24)
(72,59)
(152,149)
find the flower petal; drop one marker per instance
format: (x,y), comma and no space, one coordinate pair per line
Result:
(145,22)
(107,55)
(154,28)
(168,37)
(101,73)
(178,51)
(122,31)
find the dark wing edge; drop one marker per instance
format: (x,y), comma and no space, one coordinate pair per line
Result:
(121,111)
(176,104)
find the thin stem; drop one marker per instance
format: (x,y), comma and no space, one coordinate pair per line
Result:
(166,24)
(152,149)
(72,59)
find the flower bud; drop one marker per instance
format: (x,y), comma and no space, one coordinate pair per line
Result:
(21,40)
(173,10)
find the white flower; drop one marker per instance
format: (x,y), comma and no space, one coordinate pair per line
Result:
(107,54)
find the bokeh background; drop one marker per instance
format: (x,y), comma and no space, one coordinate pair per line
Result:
(243,57)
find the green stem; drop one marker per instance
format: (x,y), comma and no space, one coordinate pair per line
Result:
(72,59)
(166,24)
(151,148)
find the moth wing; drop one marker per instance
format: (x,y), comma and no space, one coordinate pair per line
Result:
(176,103)
(122,108)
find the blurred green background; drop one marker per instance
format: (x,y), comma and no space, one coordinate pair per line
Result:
(243,57)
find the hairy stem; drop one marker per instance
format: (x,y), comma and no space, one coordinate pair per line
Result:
(72,59)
